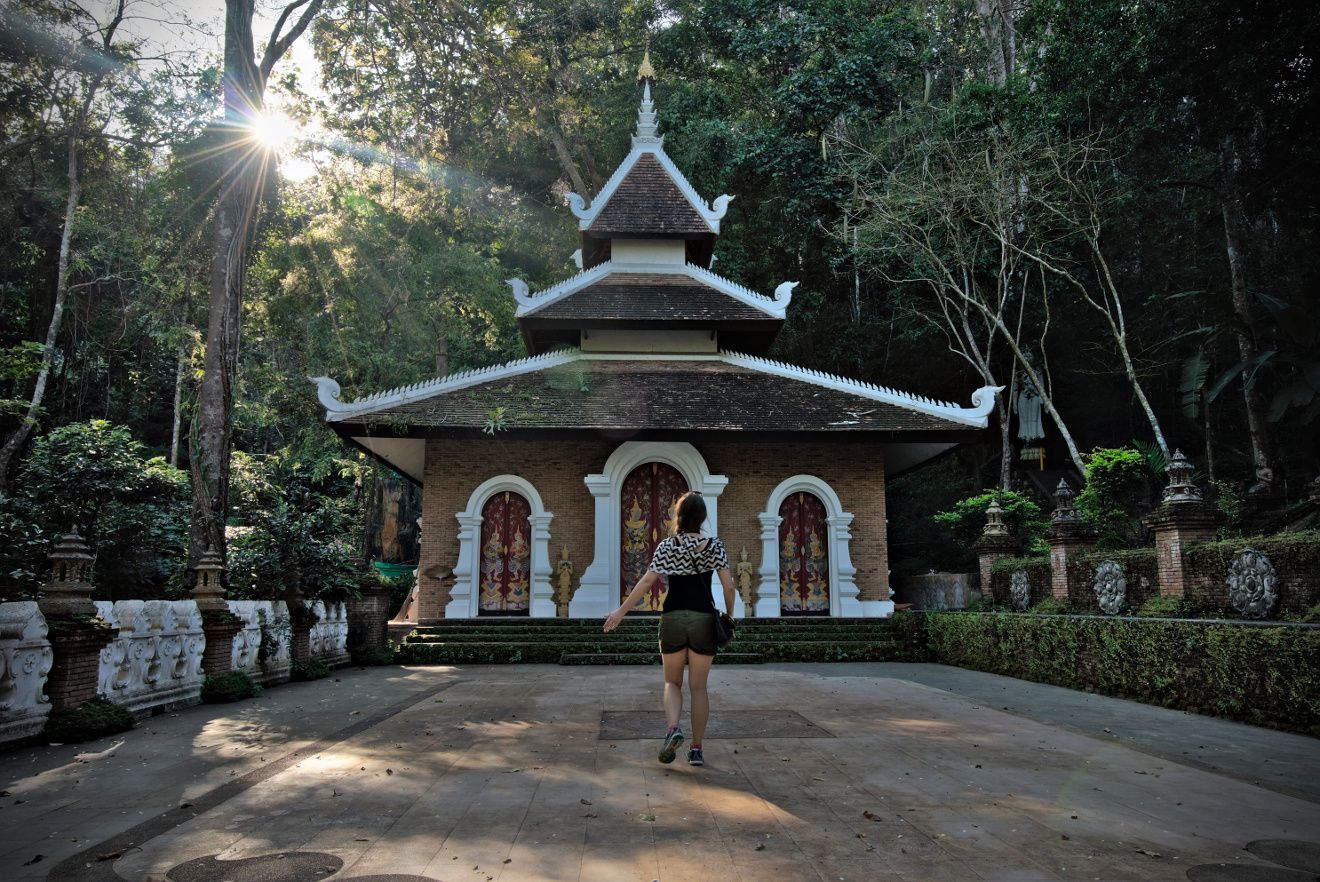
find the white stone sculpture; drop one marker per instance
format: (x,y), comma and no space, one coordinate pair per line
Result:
(1110,587)
(1019,589)
(155,659)
(1253,586)
(25,661)
(261,649)
(328,640)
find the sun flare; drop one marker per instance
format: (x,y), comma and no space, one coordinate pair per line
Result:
(274,131)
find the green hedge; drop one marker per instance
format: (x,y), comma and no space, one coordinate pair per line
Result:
(86,721)
(1267,675)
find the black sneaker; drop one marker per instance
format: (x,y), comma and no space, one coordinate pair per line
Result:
(694,757)
(673,741)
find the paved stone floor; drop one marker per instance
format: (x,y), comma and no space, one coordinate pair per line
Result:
(829,772)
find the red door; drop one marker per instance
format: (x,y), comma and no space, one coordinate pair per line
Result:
(506,555)
(804,562)
(649,494)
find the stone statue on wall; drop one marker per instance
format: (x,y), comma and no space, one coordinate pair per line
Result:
(1110,587)
(744,570)
(563,584)
(1253,586)
(1019,589)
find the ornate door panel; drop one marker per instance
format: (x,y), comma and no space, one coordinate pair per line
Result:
(804,563)
(649,494)
(506,555)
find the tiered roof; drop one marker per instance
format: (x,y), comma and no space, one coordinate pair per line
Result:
(647,242)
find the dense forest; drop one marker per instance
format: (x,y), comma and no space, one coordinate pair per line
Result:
(1114,203)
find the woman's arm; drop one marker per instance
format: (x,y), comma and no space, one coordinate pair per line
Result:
(726,579)
(612,620)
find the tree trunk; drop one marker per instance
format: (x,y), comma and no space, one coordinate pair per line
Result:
(1005,445)
(17,438)
(245,167)
(1231,208)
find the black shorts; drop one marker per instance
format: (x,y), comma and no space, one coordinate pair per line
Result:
(688,629)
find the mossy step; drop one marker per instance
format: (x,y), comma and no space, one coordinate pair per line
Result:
(649,629)
(649,638)
(651,658)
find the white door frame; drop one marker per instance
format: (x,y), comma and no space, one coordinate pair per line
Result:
(843,588)
(597,594)
(465,596)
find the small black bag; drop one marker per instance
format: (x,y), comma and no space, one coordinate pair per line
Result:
(723,629)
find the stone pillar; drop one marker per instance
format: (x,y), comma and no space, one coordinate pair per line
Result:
(995,542)
(367,617)
(767,592)
(1068,537)
(597,594)
(541,589)
(301,620)
(219,625)
(76,635)
(1183,517)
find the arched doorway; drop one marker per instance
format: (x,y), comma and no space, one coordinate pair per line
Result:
(506,556)
(804,561)
(647,499)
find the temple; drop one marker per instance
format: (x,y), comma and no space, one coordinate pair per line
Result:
(547,481)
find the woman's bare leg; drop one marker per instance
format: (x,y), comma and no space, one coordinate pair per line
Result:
(673,662)
(698,670)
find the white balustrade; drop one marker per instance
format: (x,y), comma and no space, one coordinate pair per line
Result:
(155,658)
(261,648)
(329,636)
(25,660)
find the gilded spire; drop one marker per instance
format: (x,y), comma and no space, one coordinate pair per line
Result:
(648,131)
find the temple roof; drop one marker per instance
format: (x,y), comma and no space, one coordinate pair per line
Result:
(647,195)
(647,201)
(575,391)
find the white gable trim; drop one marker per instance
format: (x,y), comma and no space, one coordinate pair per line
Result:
(976,416)
(983,399)
(327,390)
(711,213)
(775,306)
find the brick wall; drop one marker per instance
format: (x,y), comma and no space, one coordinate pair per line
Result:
(1140,568)
(1038,577)
(1295,558)
(367,617)
(454,468)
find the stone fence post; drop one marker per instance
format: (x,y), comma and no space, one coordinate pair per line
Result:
(218,623)
(1068,538)
(76,635)
(368,615)
(1183,518)
(994,543)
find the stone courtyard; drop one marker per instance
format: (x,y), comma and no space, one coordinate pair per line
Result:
(814,772)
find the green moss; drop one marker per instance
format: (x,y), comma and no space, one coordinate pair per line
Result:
(308,669)
(83,722)
(1008,564)
(369,658)
(1300,549)
(1052,606)
(229,686)
(1202,667)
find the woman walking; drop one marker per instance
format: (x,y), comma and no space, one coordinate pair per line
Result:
(687,622)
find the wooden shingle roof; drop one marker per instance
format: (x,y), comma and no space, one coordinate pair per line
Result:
(648,202)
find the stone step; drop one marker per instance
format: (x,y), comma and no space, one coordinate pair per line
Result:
(648,637)
(549,652)
(651,658)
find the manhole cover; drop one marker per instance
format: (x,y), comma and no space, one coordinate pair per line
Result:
(1288,852)
(284,866)
(636,724)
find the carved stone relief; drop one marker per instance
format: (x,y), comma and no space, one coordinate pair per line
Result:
(1253,586)
(1019,589)
(1110,587)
